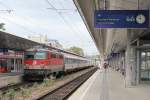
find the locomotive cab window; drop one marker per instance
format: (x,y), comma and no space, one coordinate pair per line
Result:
(29,55)
(35,55)
(40,55)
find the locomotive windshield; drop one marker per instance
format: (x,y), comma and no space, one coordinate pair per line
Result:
(35,55)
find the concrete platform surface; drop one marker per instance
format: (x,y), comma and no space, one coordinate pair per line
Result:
(10,74)
(110,85)
(10,79)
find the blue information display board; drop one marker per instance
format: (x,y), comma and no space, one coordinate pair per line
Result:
(121,19)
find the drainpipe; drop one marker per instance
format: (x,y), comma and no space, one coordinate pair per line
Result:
(104,4)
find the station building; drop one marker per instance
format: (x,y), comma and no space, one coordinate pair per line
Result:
(12,57)
(11,61)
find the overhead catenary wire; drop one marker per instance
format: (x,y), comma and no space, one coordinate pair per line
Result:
(61,16)
(70,25)
(8,11)
(7,8)
(59,11)
(21,26)
(79,31)
(13,22)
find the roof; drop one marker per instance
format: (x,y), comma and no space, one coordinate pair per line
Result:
(13,42)
(67,55)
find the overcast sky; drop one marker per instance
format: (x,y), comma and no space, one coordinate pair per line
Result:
(34,17)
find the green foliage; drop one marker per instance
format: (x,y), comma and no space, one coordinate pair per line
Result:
(47,82)
(76,50)
(2,26)
(35,85)
(1,95)
(11,94)
(25,92)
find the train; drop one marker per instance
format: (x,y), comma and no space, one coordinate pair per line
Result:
(45,63)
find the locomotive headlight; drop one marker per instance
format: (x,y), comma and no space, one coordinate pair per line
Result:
(34,62)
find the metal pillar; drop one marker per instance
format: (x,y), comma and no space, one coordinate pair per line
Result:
(14,65)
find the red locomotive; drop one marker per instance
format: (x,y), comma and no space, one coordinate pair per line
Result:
(42,62)
(48,62)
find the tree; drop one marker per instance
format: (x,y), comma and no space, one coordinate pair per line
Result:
(2,26)
(76,50)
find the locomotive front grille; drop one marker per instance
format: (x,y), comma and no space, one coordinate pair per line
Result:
(36,71)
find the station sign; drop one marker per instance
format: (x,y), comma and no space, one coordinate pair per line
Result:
(121,19)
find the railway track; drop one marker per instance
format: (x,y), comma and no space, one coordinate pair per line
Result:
(20,85)
(64,91)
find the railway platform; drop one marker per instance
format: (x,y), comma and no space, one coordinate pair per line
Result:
(110,85)
(10,78)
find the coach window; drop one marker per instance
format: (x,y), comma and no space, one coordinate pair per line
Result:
(70,61)
(66,60)
(73,60)
(76,61)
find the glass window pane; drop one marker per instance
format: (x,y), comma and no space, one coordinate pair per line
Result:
(35,55)
(40,55)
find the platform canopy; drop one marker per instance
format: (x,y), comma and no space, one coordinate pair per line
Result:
(9,41)
(110,40)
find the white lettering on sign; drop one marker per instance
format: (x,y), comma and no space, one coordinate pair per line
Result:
(130,19)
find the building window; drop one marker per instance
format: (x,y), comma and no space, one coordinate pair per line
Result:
(145,65)
(11,62)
